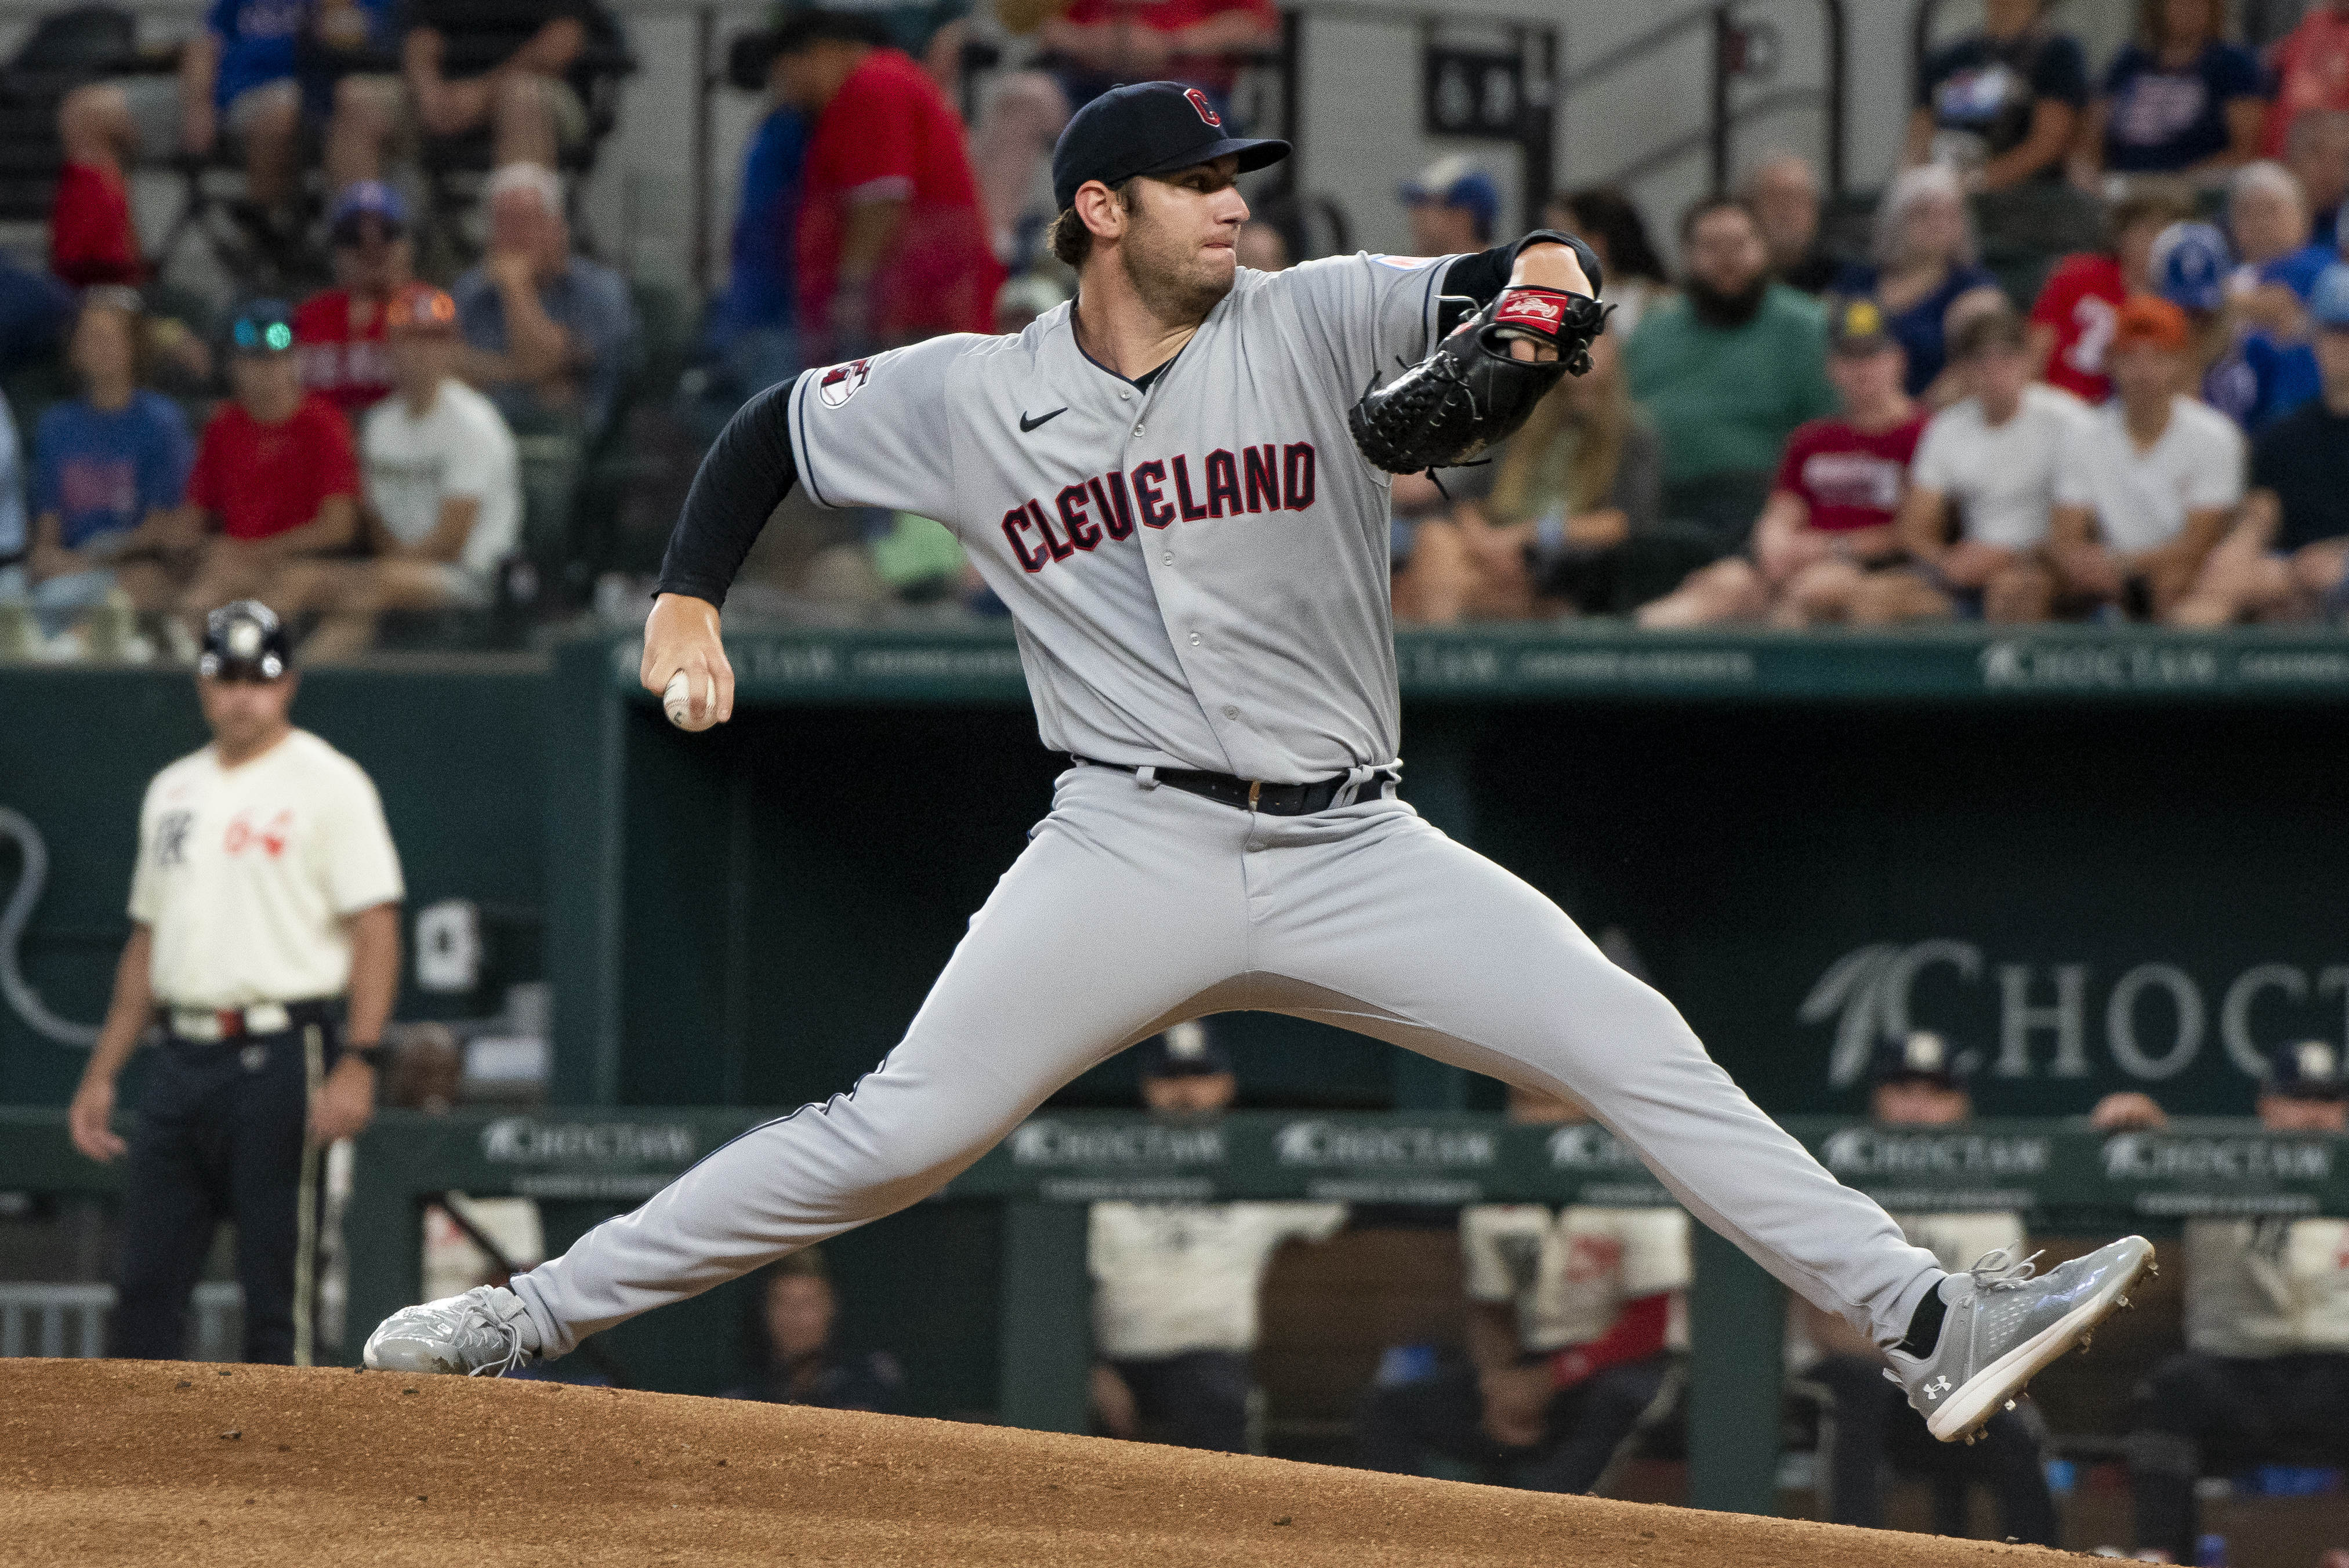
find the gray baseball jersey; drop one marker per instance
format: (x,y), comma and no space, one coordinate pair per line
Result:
(1197,572)
(1198,575)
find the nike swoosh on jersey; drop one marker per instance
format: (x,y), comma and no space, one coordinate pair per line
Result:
(1027,424)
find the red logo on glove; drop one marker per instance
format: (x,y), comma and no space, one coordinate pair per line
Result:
(1206,110)
(1524,307)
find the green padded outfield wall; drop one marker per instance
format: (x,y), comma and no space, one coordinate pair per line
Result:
(456,751)
(2094,860)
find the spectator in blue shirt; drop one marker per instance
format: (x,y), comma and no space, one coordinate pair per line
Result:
(2267,218)
(548,334)
(750,324)
(2178,99)
(109,470)
(2006,101)
(1924,263)
(11,509)
(2246,374)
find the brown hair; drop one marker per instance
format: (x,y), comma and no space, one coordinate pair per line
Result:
(1998,327)
(1070,240)
(1598,439)
(2151,19)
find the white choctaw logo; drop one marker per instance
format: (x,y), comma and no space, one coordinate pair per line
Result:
(1867,993)
(1937,1387)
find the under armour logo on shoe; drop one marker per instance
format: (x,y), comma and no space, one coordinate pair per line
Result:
(1937,1387)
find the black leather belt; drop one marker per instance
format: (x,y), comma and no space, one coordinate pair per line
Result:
(1254,795)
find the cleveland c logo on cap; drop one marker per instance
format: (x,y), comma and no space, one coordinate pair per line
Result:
(1206,110)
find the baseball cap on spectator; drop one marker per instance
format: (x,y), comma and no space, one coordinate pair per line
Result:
(2190,265)
(2147,322)
(1457,181)
(420,307)
(263,326)
(1857,329)
(362,200)
(243,640)
(1186,1050)
(1921,1057)
(1148,127)
(2308,1069)
(2328,301)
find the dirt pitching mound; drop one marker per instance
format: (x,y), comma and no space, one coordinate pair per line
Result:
(162,1462)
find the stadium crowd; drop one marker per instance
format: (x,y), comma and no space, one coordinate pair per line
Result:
(1941,417)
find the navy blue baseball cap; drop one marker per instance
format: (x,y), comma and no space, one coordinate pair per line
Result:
(263,326)
(243,640)
(1186,1050)
(1921,1056)
(2308,1069)
(1148,127)
(2189,265)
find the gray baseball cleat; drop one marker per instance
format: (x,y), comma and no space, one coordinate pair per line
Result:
(2006,1321)
(486,1332)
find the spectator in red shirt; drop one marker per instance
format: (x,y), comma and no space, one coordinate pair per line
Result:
(2071,321)
(893,241)
(1102,42)
(277,476)
(2311,67)
(1827,528)
(338,334)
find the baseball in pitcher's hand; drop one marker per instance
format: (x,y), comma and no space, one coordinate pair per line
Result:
(682,634)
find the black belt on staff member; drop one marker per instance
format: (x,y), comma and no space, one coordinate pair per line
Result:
(210,1026)
(1255,795)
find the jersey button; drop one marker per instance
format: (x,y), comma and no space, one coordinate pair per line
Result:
(1230,712)
(1194,639)
(1168,558)
(1137,429)
(1124,396)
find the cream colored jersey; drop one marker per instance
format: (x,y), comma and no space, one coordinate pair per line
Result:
(2267,1287)
(247,874)
(1174,1277)
(1570,1271)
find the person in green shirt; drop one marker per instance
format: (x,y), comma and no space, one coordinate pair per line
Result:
(1726,370)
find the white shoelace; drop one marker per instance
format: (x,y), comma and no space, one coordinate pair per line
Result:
(457,1319)
(1997,1270)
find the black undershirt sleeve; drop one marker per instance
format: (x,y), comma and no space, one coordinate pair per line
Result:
(747,474)
(1480,277)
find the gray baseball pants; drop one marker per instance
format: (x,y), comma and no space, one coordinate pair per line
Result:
(1136,907)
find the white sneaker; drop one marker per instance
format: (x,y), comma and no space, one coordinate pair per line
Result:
(486,1332)
(2006,1321)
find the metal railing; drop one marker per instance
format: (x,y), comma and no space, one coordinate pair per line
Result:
(40,1318)
(1736,50)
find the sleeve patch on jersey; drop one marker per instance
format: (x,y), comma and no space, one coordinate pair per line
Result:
(841,382)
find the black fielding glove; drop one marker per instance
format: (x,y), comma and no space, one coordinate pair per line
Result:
(1469,393)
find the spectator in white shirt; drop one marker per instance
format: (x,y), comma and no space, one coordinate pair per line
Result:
(1575,1316)
(443,493)
(2142,499)
(1175,1285)
(1990,460)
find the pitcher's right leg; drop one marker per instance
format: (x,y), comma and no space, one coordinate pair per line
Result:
(1126,906)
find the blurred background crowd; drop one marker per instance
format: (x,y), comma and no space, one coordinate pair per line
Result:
(2084,357)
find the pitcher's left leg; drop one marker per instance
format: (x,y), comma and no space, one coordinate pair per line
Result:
(1452,956)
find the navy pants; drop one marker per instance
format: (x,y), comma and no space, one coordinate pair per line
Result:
(1197,1399)
(1398,1425)
(221,1137)
(1870,1424)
